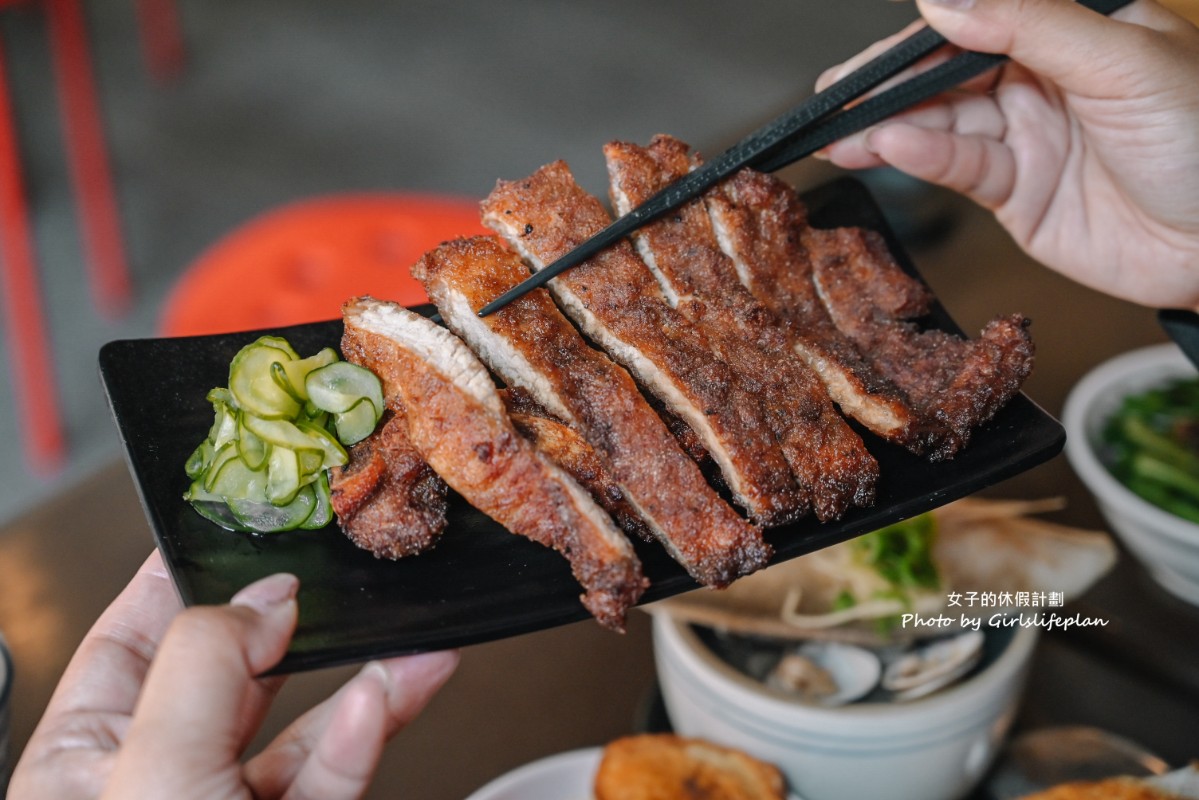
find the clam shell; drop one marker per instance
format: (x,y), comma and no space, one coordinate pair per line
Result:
(854,672)
(933,666)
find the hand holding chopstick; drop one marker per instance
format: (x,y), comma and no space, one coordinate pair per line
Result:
(1077,145)
(815,124)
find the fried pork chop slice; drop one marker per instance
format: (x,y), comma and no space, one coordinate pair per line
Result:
(617,303)
(531,345)
(457,421)
(569,450)
(960,382)
(760,222)
(387,499)
(681,250)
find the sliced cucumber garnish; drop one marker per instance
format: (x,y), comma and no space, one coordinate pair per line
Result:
(199,460)
(357,423)
(269,518)
(250,446)
(322,515)
(340,386)
(279,426)
(253,387)
(297,371)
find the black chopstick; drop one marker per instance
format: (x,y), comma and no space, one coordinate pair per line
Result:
(795,135)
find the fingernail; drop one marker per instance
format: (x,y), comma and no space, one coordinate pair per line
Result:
(828,77)
(868,140)
(958,4)
(268,593)
(376,671)
(421,668)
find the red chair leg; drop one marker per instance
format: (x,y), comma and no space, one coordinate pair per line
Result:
(88,156)
(162,39)
(25,328)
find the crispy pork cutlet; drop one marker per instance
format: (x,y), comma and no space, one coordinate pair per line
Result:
(960,382)
(387,499)
(531,345)
(569,450)
(617,303)
(681,250)
(760,222)
(687,438)
(457,421)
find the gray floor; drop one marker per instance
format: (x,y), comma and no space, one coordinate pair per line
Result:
(288,99)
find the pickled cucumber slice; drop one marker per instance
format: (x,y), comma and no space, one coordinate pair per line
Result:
(277,429)
(356,424)
(267,518)
(322,515)
(252,386)
(339,387)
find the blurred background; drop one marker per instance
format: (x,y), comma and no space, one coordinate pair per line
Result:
(259,104)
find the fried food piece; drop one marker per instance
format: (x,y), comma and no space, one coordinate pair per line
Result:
(668,767)
(828,459)
(570,451)
(617,303)
(387,499)
(760,223)
(1109,789)
(457,421)
(532,346)
(959,382)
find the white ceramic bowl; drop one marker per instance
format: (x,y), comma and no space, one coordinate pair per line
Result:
(935,748)
(1168,546)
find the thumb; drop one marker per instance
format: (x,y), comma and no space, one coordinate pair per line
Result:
(189,723)
(1059,39)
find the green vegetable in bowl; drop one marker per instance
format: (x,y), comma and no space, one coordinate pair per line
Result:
(1151,445)
(279,426)
(898,564)
(902,553)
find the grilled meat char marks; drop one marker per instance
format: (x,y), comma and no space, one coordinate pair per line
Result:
(959,382)
(387,499)
(457,421)
(761,224)
(617,303)
(531,345)
(681,249)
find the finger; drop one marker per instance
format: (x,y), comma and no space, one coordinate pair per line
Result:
(205,671)
(346,755)
(981,83)
(1079,49)
(959,112)
(108,668)
(835,73)
(411,681)
(982,168)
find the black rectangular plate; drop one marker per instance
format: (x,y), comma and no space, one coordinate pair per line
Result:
(480,582)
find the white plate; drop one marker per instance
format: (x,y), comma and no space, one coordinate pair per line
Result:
(566,776)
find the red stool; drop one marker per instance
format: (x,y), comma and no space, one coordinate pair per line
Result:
(299,263)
